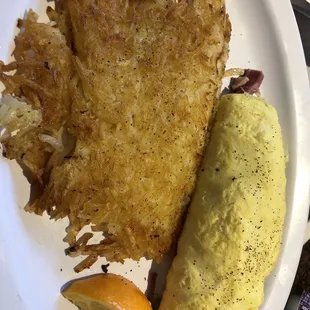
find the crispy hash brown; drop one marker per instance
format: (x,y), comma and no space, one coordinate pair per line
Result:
(146,76)
(44,69)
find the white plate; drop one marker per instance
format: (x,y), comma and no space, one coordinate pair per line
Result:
(33,266)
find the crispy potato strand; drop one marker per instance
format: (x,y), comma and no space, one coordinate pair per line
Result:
(146,75)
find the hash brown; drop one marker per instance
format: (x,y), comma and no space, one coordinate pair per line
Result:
(146,75)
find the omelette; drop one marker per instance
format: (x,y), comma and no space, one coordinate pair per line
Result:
(145,77)
(233,231)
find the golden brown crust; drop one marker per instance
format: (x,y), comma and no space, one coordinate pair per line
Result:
(146,77)
(148,74)
(43,70)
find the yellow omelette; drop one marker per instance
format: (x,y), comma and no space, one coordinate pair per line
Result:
(233,231)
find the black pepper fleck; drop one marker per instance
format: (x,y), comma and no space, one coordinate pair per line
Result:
(46,65)
(104,268)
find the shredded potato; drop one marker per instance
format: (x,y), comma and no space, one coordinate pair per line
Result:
(42,72)
(53,142)
(234,72)
(16,117)
(148,74)
(137,94)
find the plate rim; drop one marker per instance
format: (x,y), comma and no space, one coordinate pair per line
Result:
(283,18)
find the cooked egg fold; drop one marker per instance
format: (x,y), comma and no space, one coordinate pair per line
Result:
(233,231)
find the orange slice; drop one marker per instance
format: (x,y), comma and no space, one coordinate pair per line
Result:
(106,292)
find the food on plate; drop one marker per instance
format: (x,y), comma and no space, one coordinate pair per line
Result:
(44,68)
(136,92)
(249,82)
(106,292)
(232,235)
(147,76)
(16,117)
